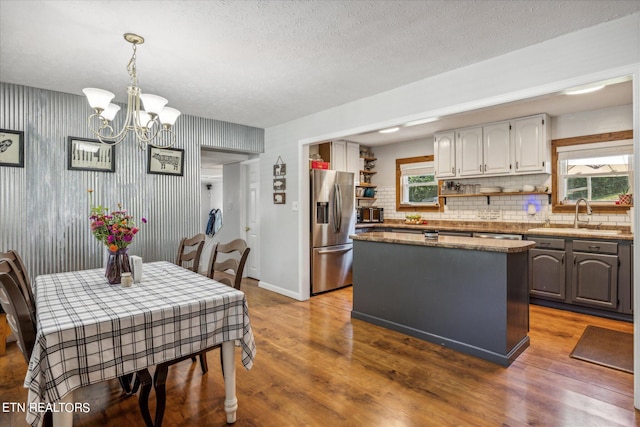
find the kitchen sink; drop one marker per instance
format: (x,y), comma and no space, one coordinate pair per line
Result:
(571,231)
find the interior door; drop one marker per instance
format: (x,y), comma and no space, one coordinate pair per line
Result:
(252,221)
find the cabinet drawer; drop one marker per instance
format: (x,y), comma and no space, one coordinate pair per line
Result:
(595,246)
(547,243)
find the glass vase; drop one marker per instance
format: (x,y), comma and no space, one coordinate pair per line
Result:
(117,263)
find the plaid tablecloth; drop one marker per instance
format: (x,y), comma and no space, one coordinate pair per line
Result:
(90,331)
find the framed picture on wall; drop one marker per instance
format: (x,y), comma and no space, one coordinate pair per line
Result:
(11,148)
(279,184)
(279,198)
(90,155)
(165,161)
(279,169)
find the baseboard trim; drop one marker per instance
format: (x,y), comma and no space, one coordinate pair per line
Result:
(279,290)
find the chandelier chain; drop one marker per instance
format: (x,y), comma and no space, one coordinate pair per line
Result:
(131,67)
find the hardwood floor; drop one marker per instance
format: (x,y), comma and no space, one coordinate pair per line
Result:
(315,366)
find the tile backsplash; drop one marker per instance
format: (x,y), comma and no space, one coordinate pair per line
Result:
(512,208)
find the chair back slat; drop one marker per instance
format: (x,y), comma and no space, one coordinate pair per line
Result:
(189,252)
(237,253)
(11,263)
(18,314)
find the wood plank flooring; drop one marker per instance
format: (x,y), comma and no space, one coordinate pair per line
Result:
(315,366)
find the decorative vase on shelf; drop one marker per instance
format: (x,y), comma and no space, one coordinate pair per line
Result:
(117,263)
(626,199)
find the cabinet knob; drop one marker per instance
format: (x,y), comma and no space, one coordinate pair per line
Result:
(453,171)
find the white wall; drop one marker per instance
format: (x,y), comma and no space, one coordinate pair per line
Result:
(387,155)
(608,50)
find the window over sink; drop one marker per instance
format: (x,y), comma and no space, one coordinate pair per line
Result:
(598,168)
(416,185)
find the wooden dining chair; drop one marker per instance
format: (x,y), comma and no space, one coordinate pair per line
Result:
(16,268)
(189,252)
(18,313)
(228,271)
(226,264)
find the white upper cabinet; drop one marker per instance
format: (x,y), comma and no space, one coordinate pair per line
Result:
(469,152)
(496,149)
(516,146)
(444,150)
(353,160)
(345,156)
(339,155)
(531,143)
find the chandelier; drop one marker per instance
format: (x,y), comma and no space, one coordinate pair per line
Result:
(151,125)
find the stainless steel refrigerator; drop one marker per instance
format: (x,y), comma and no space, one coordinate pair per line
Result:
(333,219)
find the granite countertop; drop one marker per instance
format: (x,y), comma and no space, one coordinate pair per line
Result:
(452,242)
(507,228)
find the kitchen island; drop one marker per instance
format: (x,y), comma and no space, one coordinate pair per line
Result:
(465,293)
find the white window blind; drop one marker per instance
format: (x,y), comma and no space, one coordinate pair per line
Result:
(596,150)
(413,169)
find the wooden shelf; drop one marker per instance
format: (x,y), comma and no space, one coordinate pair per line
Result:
(365,198)
(489,195)
(369,172)
(364,184)
(369,159)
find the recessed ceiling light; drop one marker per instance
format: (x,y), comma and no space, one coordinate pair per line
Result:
(581,90)
(422,121)
(389,130)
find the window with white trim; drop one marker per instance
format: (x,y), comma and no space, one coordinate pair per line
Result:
(599,171)
(418,184)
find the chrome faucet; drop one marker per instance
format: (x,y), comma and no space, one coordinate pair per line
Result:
(576,222)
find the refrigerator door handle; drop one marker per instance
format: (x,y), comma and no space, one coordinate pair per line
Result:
(334,251)
(337,208)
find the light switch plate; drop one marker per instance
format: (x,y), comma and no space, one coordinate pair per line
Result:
(294,206)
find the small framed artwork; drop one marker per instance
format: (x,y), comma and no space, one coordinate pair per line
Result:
(11,148)
(165,161)
(279,198)
(90,155)
(279,169)
(279,184)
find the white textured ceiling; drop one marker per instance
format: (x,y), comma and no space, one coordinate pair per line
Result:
(262,63)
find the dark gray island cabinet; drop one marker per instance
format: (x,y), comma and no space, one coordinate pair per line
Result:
(464,293)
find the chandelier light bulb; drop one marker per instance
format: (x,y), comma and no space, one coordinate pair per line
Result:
(110,112)
(153,104)
(99,99)
(145,120)
(168,116)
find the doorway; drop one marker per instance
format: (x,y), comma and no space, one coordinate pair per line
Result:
(221,198)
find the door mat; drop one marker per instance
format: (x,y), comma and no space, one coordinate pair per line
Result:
(606,347)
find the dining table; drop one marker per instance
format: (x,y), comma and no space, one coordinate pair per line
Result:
(89,331)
